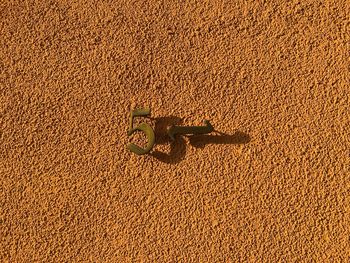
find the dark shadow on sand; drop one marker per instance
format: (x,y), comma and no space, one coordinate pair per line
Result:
(199,141)
(178,147)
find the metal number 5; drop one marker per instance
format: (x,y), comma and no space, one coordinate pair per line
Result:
(144,127)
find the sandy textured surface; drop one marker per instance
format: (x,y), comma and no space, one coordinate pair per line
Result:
(272,75)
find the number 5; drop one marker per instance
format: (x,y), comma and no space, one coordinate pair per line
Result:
(144,127)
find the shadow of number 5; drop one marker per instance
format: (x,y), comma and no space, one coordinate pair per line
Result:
(144,127)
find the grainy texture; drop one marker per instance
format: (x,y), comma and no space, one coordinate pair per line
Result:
(272,75)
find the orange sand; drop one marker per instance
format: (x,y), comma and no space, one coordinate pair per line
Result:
(272,75)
